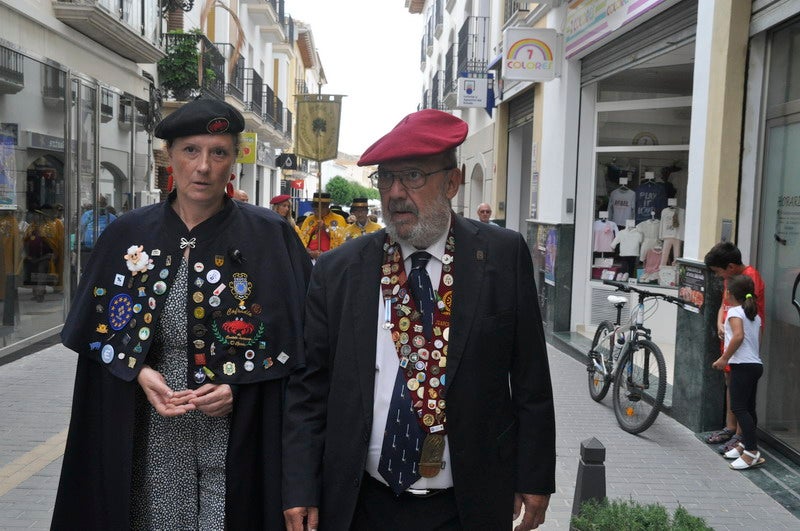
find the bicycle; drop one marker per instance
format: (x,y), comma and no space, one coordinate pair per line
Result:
(626,356)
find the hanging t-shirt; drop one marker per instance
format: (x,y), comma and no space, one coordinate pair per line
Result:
(604,233)
(673,220)
(651,196)
(629,241)
(621,205)
(651,230)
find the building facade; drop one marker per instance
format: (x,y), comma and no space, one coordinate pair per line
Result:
(76,105)
(80,93)
(671,119)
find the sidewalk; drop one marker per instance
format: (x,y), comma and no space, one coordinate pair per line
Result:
(667,464)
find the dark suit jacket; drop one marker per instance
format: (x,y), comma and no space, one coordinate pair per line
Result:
(500,419)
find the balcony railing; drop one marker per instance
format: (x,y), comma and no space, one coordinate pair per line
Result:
(235,85)
(106,105)
(54,83)
(288,123)
(472,46)
(450,83)
(269,105)
(12,76)
(300,87)
(254,91)
(213,79)
(436,90)
(512,6)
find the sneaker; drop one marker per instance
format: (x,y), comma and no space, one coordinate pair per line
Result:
(730,445)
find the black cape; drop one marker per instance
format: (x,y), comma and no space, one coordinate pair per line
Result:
(261,276)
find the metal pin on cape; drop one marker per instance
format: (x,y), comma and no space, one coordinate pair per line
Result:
(479,256)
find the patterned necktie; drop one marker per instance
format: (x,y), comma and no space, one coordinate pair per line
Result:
(402,440)
(419,284)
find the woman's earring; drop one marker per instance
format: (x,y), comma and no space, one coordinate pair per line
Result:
(229,186)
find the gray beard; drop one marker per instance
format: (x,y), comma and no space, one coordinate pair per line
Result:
(429,228)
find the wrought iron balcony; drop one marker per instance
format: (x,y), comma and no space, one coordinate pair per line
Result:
(54,85)
(473,46)
(106,105)
(127,28)
(300,87)
(514,6)
(254,91)
(235,85)
(178,70)
(270,17)
(288,122)
(269,105)
(12,74)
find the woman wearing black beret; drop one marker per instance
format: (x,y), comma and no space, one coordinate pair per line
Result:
(187,322)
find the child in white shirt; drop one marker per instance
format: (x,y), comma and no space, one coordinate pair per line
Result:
(742,327)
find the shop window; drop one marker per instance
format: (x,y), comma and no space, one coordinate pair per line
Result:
(643,120)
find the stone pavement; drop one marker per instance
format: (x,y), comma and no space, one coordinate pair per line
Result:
(667,464)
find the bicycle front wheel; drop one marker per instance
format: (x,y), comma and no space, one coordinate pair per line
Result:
(640,384)
(602,347)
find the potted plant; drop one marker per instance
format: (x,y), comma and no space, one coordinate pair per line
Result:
(177,71)
(630,515)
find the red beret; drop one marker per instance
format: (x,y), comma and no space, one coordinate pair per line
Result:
(420,134)
(279,199)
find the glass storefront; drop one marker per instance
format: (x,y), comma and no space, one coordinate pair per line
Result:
(779,241)
(65,161)
(643,117)
(632,187)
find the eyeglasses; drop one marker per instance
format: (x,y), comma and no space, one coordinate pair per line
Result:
(411,179)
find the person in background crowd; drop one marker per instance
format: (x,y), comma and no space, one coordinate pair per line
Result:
(241,195)
(87,223)
(362,225)
(725,261)
(187,322)
(282,204)
(485,213)
(322,229)
(400,420)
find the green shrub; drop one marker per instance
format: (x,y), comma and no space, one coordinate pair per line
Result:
(632,516)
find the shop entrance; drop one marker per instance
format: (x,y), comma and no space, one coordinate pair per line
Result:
(779,264)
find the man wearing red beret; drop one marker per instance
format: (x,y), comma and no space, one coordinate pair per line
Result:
(427,404)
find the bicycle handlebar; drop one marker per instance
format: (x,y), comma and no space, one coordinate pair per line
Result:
(627,288)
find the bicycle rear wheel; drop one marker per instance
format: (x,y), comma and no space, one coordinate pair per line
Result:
(640,384)
(603,343)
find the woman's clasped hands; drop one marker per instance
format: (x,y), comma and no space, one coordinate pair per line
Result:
(210,399)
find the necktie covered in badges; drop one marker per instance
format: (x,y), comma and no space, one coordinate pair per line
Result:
(402,440)
(419,284)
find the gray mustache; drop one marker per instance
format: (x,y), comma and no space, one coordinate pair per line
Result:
(396,206)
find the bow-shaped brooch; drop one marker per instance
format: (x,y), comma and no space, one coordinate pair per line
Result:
(187,243)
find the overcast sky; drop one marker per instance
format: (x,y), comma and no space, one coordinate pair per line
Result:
(370,52)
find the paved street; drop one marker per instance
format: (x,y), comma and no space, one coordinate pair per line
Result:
(668,464)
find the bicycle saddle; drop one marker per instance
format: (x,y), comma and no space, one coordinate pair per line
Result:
(617,299)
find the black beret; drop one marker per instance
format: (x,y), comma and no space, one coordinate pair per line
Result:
(201,117)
